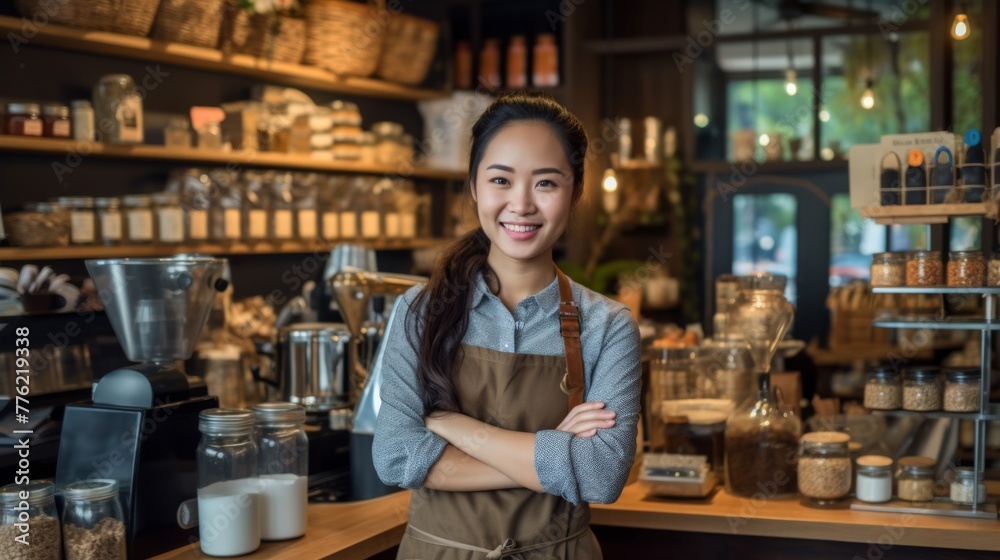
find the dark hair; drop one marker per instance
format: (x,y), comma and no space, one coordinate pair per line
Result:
(444,302)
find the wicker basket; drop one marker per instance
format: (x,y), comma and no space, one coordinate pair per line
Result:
(409,48)
(272,37)
(36,229)
(345,37)
(131,17)
(192,22)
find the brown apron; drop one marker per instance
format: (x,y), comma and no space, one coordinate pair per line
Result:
(522,392)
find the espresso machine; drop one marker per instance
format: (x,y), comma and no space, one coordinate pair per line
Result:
(141,425)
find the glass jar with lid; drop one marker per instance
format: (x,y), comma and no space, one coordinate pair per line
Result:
(256,206)
(388,142)
(177,133)
(138,218)
(118,110)
(23,119)
(915,479)
(888,269)
(109,220)
(824,467)
(282,207)
(226,219)
(83,225)
(408,205)
(370,209)
(922,389)
(669,373)
(349,205)
(34,504)
(304,198)
(962,390)
(924,268)
(83,120)
(993,269)
(329,200)
(283,469)
(967,487)
(228,483)
(93,522)
(883,390)
(55,121)
(391,216)
(966,269)
(169,218)
(196,201)
(366,147)
(873,482)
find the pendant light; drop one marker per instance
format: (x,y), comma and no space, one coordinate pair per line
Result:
(791,87)
(960,26)
(868,97)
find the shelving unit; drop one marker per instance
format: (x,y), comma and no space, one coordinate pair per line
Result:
(152,50)
(987,411)
(922,213)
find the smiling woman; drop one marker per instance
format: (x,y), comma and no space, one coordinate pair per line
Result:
(475,410)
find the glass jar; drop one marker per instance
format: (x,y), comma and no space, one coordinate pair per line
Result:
(924,268)
(367,148)
(169,218)
(256,206)
(337,188)
(305,194)
(545,69)
(888,269)
(724,371)
(177,134)
(93,522)
(22,119)
(915,481)
(824,467)
(669,369)
(282,466)
(226,221)
(228,483)
(39,224)
(83,224)
(388,143)
(407,204)
(34,504)
(966,268)
(109,220)
(138,218)
(962,390)
(883,390)
(968,487)
(118,110)
(55,121)
(993,269)
(282,210)
(873,482)
(83,120)
(391,218)
(922,389)
(196,201)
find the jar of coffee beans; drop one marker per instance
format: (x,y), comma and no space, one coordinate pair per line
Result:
(966,269)
(924,268)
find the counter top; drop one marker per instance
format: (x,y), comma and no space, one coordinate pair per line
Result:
(725,514)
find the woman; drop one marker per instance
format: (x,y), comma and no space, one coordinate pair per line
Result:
(474,410)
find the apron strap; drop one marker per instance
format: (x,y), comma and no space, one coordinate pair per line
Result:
(569,325)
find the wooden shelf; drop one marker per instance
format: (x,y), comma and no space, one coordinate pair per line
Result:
(757,167)
(60,147)
(922,213)
(217,249)
(152,50)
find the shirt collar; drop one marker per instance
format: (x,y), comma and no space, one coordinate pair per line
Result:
(547,299)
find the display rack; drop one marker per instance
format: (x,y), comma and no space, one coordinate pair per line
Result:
(987,411)
(922,213)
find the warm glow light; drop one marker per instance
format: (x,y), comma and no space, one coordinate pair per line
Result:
(824,115)
(790,86)
(764,139)
(960,27)
(610,182)
(827,154)
(701,120)
(767,243)
(868,98)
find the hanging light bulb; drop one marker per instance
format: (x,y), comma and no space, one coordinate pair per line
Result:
(960,27)
(791,88)
(764,139)
(868,97)
(609,198)
(610,181)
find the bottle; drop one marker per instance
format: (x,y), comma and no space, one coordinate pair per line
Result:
(348,206)
(489,64)
(329,202)
(391,217)
(109,220)
(304,198)
(93,521)
(83,225)
(517,63)
(545,72)
(177,134)
(371,209)
(169,218)
(256,206)
(282,466)
(138,218)
(83,120)
(118,110)
(282,215)
(463,65)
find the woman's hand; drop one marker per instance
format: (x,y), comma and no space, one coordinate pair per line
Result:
(585,419)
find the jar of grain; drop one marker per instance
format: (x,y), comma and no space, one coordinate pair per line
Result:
(824,467)
(915,481)
(888,269)
(922,389)
(993,269)
(968,487)
(37,508)
(962,390)
(93,520)
(966,268)
(874,479)
(924,268)
(883,390)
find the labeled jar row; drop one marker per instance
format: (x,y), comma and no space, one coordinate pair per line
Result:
(926,269)
(915,481)
(921,389)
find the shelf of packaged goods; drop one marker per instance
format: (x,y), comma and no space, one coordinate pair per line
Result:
(922,213)
(202,58)
(984,290)
(946,324)
(60,148)
(218,249)
(992,413)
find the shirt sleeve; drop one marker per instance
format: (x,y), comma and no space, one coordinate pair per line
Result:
(595,469)
(404,449)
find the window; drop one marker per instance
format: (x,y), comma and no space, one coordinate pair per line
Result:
(966,234)
(765,237)
(853,241)
(909,238)
(966,83)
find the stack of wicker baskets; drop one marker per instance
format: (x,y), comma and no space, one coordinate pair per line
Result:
(344,37)
(131,17)
(409,49)
(272,37)
(192,22)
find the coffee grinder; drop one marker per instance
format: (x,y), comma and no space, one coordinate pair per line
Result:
(141,427)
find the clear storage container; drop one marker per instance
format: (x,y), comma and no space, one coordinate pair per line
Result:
(966,269)
(915,480)
(993,269)
(962,390)
(873,482)
(283,469)
(824,467)
(888,269)
(169,218)
(256,206)
(82,221)
(922,389)
(118,110)
(138,219)
(109,220)
(883,390)
(968,487)
(924,268)
(34,504)
(93,522)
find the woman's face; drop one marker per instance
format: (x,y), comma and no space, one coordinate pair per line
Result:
(524,190)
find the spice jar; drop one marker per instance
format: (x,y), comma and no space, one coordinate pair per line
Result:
(169,218)
(962,390)
(873,482)
(55,121)
(177,134)
(82,229)
(22,119)
(824,467)
(922,389)
(968,487)
(92,520)
(83,120)
(283,462)
(118,110)
(888,269)
(915,481)
(883,390)
(924,268)
(966,268)
(109,220)
(34,504)
(138,218)
(228,484)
